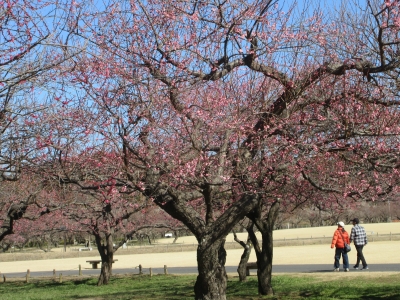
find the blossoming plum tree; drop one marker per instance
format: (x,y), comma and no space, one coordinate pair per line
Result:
(31,49)
(214,110)
(91,198)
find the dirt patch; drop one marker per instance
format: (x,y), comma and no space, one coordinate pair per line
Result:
(57,253)
(302,250)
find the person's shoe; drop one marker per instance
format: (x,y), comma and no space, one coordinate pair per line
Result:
(336,270)
(355,267)
(346,270)
(365,268)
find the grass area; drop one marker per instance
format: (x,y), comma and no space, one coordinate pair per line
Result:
(300,286)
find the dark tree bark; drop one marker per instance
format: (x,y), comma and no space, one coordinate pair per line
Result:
(210,233)
(15,213)
(265,252)
(148,239)
(107,256)
(212,279)
(7,228)
(245,255)
(176,233)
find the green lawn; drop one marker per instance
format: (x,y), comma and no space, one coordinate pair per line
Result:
(319,286)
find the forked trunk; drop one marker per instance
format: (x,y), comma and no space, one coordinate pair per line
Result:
(265,252)
(211,233)
(212,279)
(242,267)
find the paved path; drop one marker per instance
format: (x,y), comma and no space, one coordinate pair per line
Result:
(317,268)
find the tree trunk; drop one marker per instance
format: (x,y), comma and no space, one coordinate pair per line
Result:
(106,272)
(264,263)
(211,234)
(107,256)
(176,236)
(212,279)
(265,253)
(244,258)
(242,270)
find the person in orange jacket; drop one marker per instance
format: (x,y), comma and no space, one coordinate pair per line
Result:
(339,238)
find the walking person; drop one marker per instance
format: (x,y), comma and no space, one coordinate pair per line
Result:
(340,237)
(359,237)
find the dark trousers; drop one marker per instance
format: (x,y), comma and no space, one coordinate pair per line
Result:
(338,253)
(360,256)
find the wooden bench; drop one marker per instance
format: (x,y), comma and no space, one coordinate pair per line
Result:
(250,265)
(95,263)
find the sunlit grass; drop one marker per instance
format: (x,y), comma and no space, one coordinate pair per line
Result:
(319,286)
